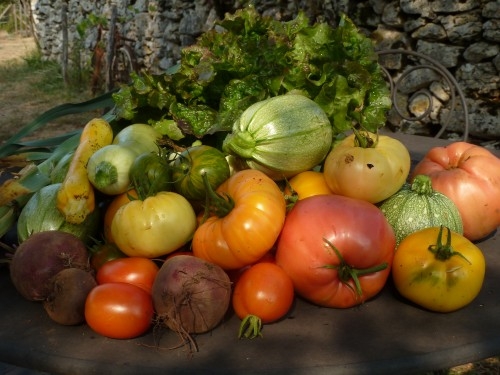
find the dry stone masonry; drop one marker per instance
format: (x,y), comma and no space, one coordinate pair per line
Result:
(463,36)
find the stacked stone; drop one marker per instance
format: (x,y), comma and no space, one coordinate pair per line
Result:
(463,36)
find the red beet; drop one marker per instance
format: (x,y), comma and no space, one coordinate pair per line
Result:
(66,304)
(40,257)
(191,295)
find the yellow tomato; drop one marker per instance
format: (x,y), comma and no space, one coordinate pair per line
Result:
(307,184)
(155,226)
(372,172)
(439,276)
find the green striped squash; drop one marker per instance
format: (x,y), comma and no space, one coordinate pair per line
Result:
(281,136)
(417,206)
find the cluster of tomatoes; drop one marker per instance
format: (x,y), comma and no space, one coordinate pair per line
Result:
(320,235)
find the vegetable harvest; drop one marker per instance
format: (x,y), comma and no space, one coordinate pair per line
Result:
(249,174)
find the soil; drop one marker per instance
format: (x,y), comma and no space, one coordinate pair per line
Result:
(24,98)
(14,47)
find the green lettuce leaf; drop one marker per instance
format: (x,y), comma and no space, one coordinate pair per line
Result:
(247,58)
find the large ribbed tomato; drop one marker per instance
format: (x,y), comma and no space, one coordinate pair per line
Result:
(337,250)
(155,226)
(248,227)
(470,176)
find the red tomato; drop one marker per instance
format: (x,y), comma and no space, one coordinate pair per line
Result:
(134,270)
(234,275)
(264,290)
(103,253)
(470,176)
(329,241)
(119,310)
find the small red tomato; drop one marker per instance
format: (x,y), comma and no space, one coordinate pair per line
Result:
(133,270)
(263,290)
(119,310)
(103,253)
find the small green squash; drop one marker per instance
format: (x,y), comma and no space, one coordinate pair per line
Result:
(417,206)
(41,214)
(281,136)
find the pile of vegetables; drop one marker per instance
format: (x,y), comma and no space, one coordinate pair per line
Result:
(250,174)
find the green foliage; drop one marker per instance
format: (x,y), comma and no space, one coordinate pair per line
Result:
(92,20)
(248,58)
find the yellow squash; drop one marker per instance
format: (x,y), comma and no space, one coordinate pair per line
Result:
(75,198)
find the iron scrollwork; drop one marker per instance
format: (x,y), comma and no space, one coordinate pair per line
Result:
(444,73)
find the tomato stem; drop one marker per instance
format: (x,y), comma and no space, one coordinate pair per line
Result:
(422,185)
(347,272)
(292,198)
(363,139)
(250,327)
(215,203)
(445,251)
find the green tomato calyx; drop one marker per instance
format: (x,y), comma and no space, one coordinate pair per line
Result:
(347,272)
(215,204)
(363,138)
(251,327)
(445,251)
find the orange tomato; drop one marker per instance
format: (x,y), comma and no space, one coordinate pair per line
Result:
(249,227)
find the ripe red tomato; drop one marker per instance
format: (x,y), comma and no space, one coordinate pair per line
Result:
(103,253)
(134,270)
(469,175)
(264,290)
(119,310)
(330,241)
(263,293)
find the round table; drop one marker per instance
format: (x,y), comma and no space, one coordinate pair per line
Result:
(385,335)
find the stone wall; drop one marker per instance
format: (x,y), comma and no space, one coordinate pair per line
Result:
(463,36)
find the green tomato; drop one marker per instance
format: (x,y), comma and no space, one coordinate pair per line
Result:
(190,166)
(151,174)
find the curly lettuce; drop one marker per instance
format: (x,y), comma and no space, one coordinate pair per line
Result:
(247,58)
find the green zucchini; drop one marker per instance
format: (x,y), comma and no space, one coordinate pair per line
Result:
(41,214)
